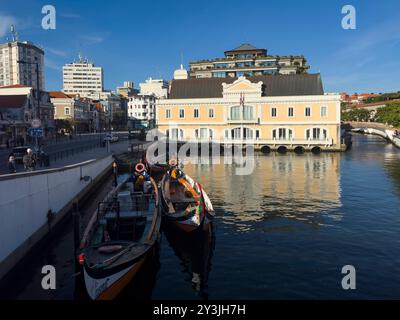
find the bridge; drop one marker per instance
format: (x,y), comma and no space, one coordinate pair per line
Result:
(379,129)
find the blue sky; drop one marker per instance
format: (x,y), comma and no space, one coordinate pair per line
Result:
(133,40)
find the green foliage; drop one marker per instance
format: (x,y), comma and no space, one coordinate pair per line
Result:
(389,114)
(356,114)
(63,124)
(383,97)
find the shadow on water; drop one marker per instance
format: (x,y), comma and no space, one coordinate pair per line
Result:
(195,251)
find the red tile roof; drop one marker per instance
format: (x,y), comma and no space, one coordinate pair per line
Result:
(12,101)
(15,86)
(59,94)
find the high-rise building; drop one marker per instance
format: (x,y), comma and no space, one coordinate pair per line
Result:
(83,77)
(14,73)
(248,60)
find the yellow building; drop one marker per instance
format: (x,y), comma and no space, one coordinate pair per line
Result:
(283,112)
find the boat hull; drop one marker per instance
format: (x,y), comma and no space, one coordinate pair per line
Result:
(187,222)
(109,287)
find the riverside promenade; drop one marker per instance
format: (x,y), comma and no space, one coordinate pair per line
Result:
(32,204)
(72,152)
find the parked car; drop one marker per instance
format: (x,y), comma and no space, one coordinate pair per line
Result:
(19,153)
(111,137)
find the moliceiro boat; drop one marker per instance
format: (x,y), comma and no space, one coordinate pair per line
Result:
(185,202)
(121,234)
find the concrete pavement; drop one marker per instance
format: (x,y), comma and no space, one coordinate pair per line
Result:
(62,155)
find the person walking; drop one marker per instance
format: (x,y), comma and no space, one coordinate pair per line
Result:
(29,160)
(11,163)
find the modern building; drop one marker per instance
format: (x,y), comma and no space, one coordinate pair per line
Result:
(84,78)
(14,73)
(156,87)
(142,110)
(248,60)
(271,112)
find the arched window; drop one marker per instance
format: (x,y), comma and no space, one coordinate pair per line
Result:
(240,133)
(175,134)
(203,133)
(316,134)
(282,134)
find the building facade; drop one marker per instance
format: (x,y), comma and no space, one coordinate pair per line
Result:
(142,110)
(247,60)
(74,109)
(83,77)
(126,89)
(266,111)
(18,107)
(14,73)
(156,87)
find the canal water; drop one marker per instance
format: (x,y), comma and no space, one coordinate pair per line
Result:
(283,232)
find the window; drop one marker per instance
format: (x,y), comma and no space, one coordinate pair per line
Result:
(235,113)
(324,111)
(282,134)
(211,113)
(174,134)
(248,113)
(290,112)
(316,134)
(196,113)
(67,111)
(181,113)
(168,114)
(203,133)
(273,112)
(308,112)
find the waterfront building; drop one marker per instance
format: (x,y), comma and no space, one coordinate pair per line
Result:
(271,112)
(156,87)
(14,73)
(18,107)
(84,78)
(248,60)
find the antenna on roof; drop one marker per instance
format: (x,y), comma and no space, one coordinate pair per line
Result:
(14,34)
(181,60)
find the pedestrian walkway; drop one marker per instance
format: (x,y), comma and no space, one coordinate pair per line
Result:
(92,154)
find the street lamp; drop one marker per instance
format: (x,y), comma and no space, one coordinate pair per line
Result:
(37,111)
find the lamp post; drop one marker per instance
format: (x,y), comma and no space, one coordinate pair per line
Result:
(37,111)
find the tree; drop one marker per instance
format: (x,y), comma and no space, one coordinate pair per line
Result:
(389,114)
(120,120)
(356,114)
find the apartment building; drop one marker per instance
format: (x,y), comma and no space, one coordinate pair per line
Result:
(248,60)
(84,78)
(13,72)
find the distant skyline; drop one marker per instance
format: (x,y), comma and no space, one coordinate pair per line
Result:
(135,40)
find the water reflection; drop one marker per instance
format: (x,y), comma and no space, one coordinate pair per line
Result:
(195,250)
(304,188)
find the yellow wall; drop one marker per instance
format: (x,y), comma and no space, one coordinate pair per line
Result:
(298,123)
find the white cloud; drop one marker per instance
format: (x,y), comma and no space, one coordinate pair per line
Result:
(57,52)
(92,39)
